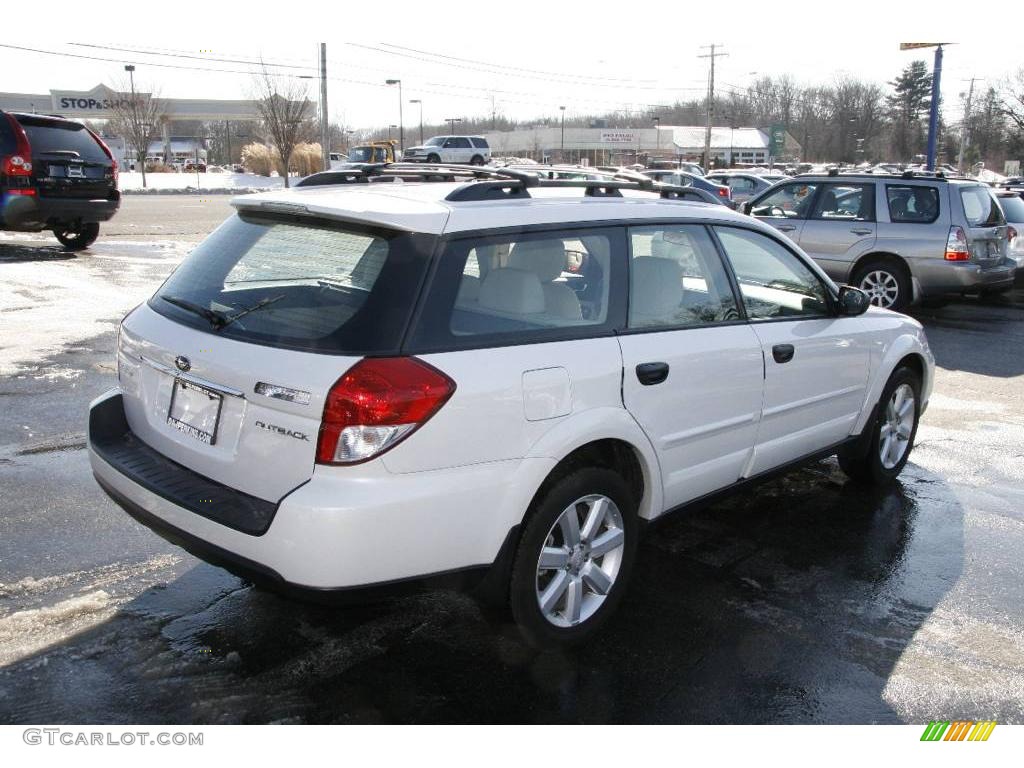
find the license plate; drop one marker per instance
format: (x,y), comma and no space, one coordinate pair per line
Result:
(75,172)
(194,410)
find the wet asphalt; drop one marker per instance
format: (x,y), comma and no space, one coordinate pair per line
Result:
(806,600)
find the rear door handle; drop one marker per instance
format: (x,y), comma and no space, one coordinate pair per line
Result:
(783,353)
(785,227)
(862,231)
(651,373)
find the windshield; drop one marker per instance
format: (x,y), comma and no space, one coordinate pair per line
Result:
(436,141)
(1013,207)
(307,285)
(68,139)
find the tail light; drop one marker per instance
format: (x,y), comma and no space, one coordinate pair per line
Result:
(956,245)
(1011,234)
(18,167)
(106,150)
(378,403)
(725,192)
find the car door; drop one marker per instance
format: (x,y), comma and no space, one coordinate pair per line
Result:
(786,207)
(815,363)
(693,373)
(841,227)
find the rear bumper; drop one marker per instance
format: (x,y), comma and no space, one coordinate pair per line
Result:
(338,535)
(939,276)
(33,213)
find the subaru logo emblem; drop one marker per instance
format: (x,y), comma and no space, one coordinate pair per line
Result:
(183,363)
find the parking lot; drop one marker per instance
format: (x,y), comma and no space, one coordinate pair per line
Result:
(809,600)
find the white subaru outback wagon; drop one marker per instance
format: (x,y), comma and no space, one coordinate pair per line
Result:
(369,384)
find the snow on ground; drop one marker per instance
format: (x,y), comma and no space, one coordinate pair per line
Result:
(131,181)
(49,299)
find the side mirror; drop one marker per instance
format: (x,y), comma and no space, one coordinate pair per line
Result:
(747,206)
(852,301)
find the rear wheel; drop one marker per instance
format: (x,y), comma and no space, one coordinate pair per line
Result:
(574,558)
(892,432)
(477,160)
(78,238)
(886,283)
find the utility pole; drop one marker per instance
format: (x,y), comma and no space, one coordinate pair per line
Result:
(325,129)
(965,128)
(711,99)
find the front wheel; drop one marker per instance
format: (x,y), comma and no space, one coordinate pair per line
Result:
(78,238)
(886,285)
(433,159)
(892,432)
(574,558)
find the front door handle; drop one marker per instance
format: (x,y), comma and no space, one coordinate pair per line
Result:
(785,227)
(783,353)
(862,231)
(651,373)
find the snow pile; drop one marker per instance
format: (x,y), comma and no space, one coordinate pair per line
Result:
(157,183)
(25,633)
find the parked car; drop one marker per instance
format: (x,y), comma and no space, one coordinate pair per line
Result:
(899,237)
(56,175)
(192,166)
(351,387)
(742,185)
(473,150)
(1012,204)
(684,179)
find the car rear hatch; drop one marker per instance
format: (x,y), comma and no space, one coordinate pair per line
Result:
(986,230)
(226,369)
(67,160)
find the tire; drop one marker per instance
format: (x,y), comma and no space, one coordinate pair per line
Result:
(886,283)
(477,160)
(78,239)
(573,574)
(865,463)
(432,158)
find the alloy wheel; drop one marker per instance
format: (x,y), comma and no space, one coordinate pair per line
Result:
(895,432)
(580,560)
(882,288)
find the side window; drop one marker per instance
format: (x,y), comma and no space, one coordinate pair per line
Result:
(461,143)
(741,186)
(677,279)
(524,284)
(791,201)
(845,202)
(774,283)
(912,204)
(480,143)
(980,207)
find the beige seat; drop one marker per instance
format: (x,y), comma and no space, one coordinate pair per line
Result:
(512,292)
(656,291)
(546,259)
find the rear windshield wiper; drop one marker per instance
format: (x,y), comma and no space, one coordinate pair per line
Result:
(258,305)
(214,318)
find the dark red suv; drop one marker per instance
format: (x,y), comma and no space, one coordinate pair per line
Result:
(55,174)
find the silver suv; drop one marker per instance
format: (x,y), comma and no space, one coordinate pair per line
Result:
(473,150)
(899,238)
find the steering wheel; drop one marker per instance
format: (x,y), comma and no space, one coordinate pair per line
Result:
(778,212)
(729,313)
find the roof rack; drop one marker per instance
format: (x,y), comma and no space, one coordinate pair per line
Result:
(374,172)
(493,183)
(934,175)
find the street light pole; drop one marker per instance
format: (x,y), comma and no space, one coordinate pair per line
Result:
(420,102)
(562,150)
(451,124)
(130,69)
(657,133)
(401,120)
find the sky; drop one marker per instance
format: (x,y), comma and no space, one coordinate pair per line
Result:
(523,59)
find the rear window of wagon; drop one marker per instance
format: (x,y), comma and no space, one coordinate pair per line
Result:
(303,284)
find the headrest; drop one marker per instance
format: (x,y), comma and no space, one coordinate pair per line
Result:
(657,286)
(516,291)
(545,258)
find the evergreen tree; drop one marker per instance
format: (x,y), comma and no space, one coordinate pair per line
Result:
(908,108)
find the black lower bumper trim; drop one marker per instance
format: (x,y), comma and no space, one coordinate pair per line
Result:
(113,441)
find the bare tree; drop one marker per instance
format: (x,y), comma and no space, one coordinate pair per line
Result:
(139,117)
(285,110)
(1012,92)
